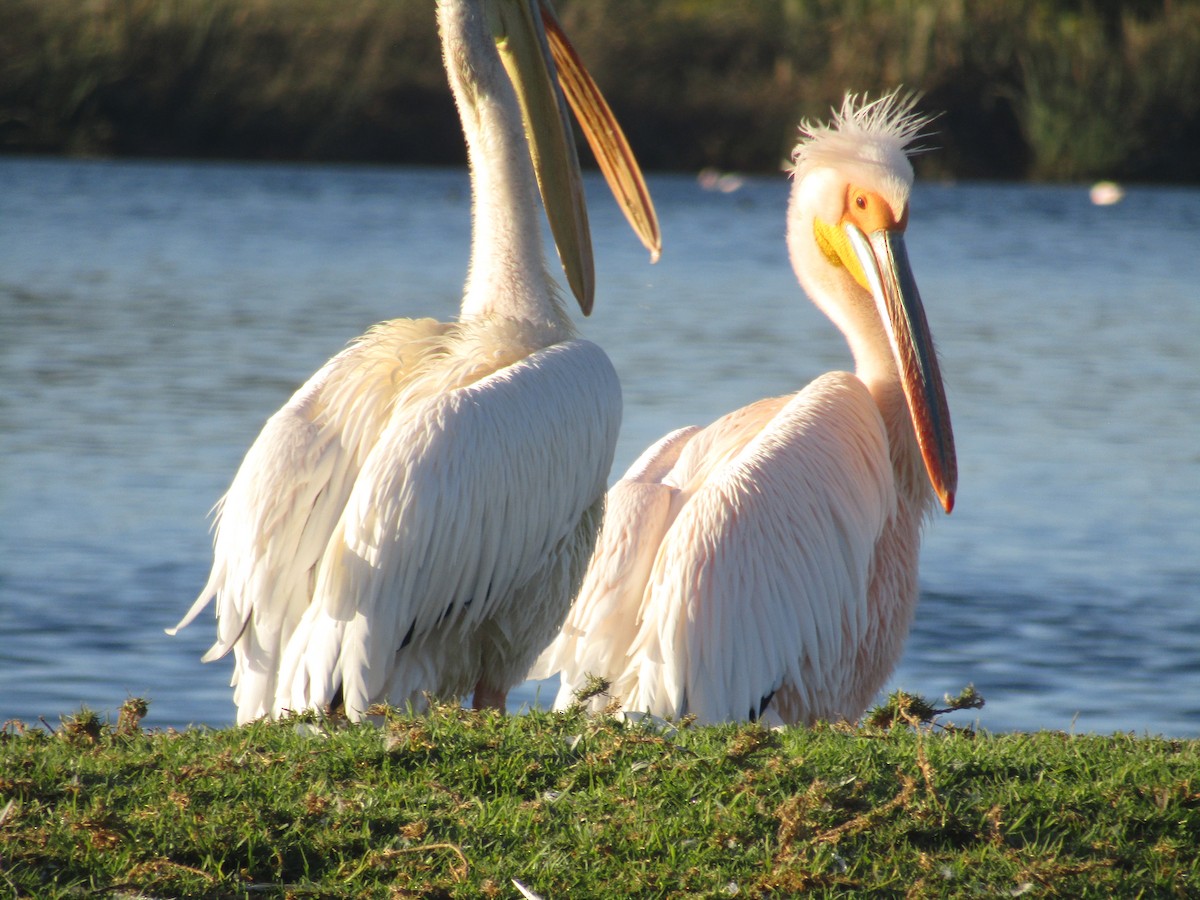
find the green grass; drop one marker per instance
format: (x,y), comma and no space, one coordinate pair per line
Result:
(1044,89)
(458,804)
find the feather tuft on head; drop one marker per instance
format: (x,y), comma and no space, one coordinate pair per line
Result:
(876,134)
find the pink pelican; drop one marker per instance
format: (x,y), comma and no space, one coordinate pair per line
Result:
(766,565)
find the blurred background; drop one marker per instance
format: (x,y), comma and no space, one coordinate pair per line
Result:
(1029,89)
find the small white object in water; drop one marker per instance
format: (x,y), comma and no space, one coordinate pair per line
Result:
(1106,193)
(712,179)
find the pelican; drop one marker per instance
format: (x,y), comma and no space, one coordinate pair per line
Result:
(419,514)
(766,566)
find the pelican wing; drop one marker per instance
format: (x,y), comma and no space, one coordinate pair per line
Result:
(468,498)
(276,519)
(598,630)
(760,580)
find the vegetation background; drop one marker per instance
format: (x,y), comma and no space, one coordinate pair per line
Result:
(1029,89)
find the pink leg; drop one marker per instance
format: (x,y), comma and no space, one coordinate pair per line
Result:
(489,698)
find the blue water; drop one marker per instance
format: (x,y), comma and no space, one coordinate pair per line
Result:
(153,315)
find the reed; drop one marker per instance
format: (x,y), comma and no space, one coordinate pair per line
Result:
(1117,96)
(1029,89)
(304,79)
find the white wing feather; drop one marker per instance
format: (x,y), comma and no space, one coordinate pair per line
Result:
(596,634)
(468,502)
(760,581)
(275,521)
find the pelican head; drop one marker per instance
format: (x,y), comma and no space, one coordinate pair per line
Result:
(534,49)
(846,224)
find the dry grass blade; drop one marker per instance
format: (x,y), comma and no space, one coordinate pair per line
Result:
(459,871)
(908,788)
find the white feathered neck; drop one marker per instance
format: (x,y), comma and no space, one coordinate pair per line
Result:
(507,274)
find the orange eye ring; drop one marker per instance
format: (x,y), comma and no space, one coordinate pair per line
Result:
(871,212)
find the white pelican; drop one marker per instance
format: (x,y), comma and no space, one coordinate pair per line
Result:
(418,516)
(767,565)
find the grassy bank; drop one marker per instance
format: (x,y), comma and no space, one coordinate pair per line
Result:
(459,804)
(1047,89)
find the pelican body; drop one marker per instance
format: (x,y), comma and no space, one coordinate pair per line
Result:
(766,565)
(417,517)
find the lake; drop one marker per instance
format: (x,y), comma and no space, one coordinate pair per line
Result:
(152,315)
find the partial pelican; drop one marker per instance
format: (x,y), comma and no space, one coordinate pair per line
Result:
(766,566)
(418,516)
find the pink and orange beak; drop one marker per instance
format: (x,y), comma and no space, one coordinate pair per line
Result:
(882,254)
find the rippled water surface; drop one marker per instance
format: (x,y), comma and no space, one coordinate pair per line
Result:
(153,315)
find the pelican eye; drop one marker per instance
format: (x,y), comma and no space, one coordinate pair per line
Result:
(869,211)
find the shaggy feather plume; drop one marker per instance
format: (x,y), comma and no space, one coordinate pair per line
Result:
(875,134)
